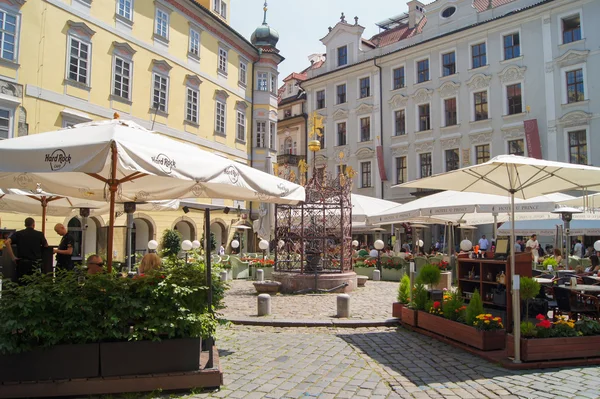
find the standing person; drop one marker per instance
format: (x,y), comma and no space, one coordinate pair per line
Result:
(578,249)
(534,245)
(29,244)
(64,252)
(221,250)
(484,244)
(518,247)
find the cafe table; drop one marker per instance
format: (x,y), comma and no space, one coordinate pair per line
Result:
(583,287)
(543,280)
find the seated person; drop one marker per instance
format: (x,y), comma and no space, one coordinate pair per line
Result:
(363,253)
(595,268)
(95,265)
(149,262)
(558,256)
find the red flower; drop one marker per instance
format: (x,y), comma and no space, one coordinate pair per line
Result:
(436,304)
(544,324)
(540,317)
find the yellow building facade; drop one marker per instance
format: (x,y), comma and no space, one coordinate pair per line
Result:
(173,66)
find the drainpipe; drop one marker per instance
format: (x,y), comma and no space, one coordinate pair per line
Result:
(252,124)
(380,112)
(305,116)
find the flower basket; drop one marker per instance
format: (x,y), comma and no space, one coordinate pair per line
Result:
(537,349)
(364,271)
(483,340)
(391,275)
(409,316)
(397,310)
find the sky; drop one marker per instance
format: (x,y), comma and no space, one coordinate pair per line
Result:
(301,24)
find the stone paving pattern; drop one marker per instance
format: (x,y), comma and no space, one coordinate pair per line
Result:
(374,301)
(382,362)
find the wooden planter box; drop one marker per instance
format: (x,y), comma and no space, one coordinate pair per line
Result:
(397,310)
(409,316)
(149,357)
(59,362)
(364,271)
(391,274)
(483,340)
(536,349)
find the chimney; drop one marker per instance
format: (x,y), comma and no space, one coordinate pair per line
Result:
(415,13)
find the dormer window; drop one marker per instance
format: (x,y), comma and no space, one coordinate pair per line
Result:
(448,12)
(342,56)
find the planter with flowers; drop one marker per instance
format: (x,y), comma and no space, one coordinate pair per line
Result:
(403,297)
(390,270)
(418,303)
(556,340)
(365,267)
(266,265)
(445,276)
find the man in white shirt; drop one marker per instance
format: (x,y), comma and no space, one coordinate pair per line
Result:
(484,244)
(534,245)
(373,253)
(577,249)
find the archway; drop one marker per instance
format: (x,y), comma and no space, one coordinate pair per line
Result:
(218,230)
(186,227)
(75,229)
(143,231)
(90,244)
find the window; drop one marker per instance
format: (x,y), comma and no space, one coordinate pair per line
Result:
(401,170)
(122,78)
(398,78)
(220,118)
(159,99)
(217,6)
(261,132)
(481,105)
(512,46)
(342,55)
(482,153)
(243,73)
(162,24)
(124,8)
(241,126)
(223,9)
(263,81)
(194,42)
(365,129)
(287,113)
(577,147)
(571,29)
(272,135)
(424,117)
(5,124)
(422,71)
(321,99)
(450,111)
(452,159)
(449,64)
(365,174)
(425,164)
(448,12)
(222,60)
(341,133)
(399,122)
(341,169)
(514,99)
(321,137)
(273,84)
(289,146)
(478,55)
(365,87)
(341,94)
(575,92)
(290,88)
(191,114)
(79,61)
(516,147)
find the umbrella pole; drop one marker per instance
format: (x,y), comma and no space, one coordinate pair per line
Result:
(113,186)
(516,302)
(207,261)
(44,205)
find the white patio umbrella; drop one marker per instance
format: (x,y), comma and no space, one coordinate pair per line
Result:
(591,201)
(364,206)
(121,161)
(521,177)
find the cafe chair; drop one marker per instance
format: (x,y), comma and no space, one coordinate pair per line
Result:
(573,303)
(590,281)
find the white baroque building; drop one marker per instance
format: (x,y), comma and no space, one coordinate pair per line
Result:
(452,83)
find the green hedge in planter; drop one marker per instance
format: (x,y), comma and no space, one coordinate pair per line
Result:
(74,308)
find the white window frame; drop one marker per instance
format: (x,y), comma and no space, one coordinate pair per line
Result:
(89,59)
(336,95)
(358,87)
(224,104)
(337,136)
(243,72)
(114,74)
(118,3)
(273,135)
(193,31)
(506,33)
(418,118)
(506,145)
(223,10)
(217,6)
(238,124)
(154,75)
(403,65)
(394,122)
(472,100)
(191,90)
(563,82)
(443,122)
(505,97)
(17,16)
(360,163)
(444,52)
(273,83)
(474,152)
(396,168)
(264,75)
(444,159)
(11,119)
(168,23)
(359,128)
(324,90)
(223,54)
(416,66)
(567,14)
(419,176)
(566,132)
(257,144)
(337,56)
(487,54)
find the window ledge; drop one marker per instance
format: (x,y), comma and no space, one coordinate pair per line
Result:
(508,61)
(124,20)
(398,89)
(193,56)
(158,112)
(575,104)
(161,39)
(400,136)
(447,77)
(220,134)
(366,142)
(481,121)
(449,127)
(364,98)
(514,116)
(190,123)
(120,99)
(423,83)
(340,104)
(341,146)
(221,73)
(77,84)
(240,141)
(9,63)
(565,45)
(424,131)
(479,68)
(242,85)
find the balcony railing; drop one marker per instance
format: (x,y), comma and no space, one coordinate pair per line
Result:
(289,159)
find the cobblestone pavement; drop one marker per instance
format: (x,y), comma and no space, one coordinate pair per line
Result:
(376,363)
(374,301)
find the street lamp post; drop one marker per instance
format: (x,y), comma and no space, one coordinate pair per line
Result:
(263,245)
(187,245)
(379,246)
(152,245)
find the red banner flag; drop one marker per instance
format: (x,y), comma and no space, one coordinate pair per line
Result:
(532,136)
(380,163)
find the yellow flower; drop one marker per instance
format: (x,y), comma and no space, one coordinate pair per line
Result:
(488,315)
(487,322)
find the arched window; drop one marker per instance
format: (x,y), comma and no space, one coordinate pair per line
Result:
(74,228)
(289,146)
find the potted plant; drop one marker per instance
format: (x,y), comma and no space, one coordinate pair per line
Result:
(430,275)
(390,271)
(445,275)
(550,261)
(365,267)
(529,290)
(403,297)
(419,302)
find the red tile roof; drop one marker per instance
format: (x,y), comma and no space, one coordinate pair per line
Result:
(396,34)
(482,5)
(297,76)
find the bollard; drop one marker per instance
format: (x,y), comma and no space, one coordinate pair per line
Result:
(376,275)
(343,305)
(223,276)
(260,275)
(264,304)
